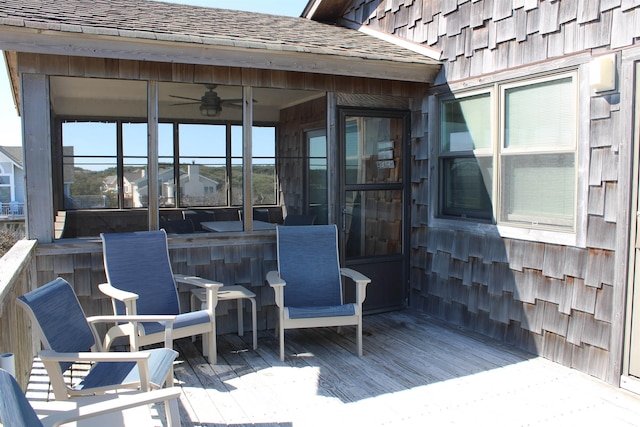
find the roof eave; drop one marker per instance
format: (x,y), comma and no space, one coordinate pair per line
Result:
(208,53)
(325,10)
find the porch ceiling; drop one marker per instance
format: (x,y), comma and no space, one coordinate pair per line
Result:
(165,32)
(82,97)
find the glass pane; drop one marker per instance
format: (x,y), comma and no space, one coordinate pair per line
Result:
(5,180)
(203,184)
(165,165)
(202,140)
(89,162)
(318,196)
(236,142)
(466,124)
(5,197)
(135,184)
(264,169)
(541,115)
(134,148)
(264,184)
(134,140)
(236,177)
(539,190)
(237,192)
(93,139)
(203,169)
(467,187)
(373,223)
(264,142)
(165,140)
(373,148)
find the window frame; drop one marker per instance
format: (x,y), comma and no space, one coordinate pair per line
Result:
(577,234)
(465,154)
(176,158)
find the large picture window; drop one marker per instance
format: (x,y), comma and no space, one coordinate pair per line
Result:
(524,131)
(208,158)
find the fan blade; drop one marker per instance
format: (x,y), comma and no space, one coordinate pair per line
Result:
(185,103)
(184,97)
(233,103)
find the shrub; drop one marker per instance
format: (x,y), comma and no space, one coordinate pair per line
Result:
(8,238)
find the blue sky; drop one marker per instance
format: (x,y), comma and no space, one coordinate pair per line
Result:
(9,120)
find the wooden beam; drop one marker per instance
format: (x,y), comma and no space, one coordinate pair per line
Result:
(36,143)
(153,161)
(247,144)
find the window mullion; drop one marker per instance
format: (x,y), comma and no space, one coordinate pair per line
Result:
(120,164)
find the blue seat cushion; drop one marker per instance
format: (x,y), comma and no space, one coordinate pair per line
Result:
(182,320)
(113,373)
(327,311)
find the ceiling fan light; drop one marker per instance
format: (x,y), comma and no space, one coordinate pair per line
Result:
(209,110)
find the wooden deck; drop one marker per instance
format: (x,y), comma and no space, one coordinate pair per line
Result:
(415,371)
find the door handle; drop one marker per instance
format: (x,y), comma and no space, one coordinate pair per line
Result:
(344,219)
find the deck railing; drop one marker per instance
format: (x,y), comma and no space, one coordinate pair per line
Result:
(11,210)
(17,276)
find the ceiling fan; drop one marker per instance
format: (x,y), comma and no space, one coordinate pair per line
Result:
(210,103)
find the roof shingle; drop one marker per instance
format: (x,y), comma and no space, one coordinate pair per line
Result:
(145,19)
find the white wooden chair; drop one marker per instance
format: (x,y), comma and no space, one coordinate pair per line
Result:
(141,281)
(308,284)
(109,410)
(68,336)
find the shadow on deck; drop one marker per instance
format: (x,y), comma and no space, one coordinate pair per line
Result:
(415,371)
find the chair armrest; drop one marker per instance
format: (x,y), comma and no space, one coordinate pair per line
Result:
(117,294)
(197,281)
(361,282)
(98,356)
(276,282)
(166,319)
(274,279)
(117,404)
(51,361)
(211,287)
(354,275)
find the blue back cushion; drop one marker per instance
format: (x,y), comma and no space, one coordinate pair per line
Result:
(308,262)
(139,262)
(61,318)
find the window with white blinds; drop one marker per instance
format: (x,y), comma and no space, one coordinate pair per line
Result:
(518,169)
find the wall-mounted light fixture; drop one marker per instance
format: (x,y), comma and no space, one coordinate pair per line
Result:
(602,73)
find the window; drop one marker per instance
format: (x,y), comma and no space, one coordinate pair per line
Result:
(264,165)
(466,157)
(507,155)
(97,177)
(90,166)
(102,154)
(203,164)
(5,185)
(318,202)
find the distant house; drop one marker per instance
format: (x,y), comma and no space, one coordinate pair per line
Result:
(110,184)
(200,190)
(11,181)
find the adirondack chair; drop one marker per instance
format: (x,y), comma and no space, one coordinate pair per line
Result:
(141,281)
(308,285)
(68,336)
(105,410)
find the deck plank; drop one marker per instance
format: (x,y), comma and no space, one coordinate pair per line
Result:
(414,371)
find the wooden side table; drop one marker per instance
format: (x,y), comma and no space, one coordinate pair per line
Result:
(225,293)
